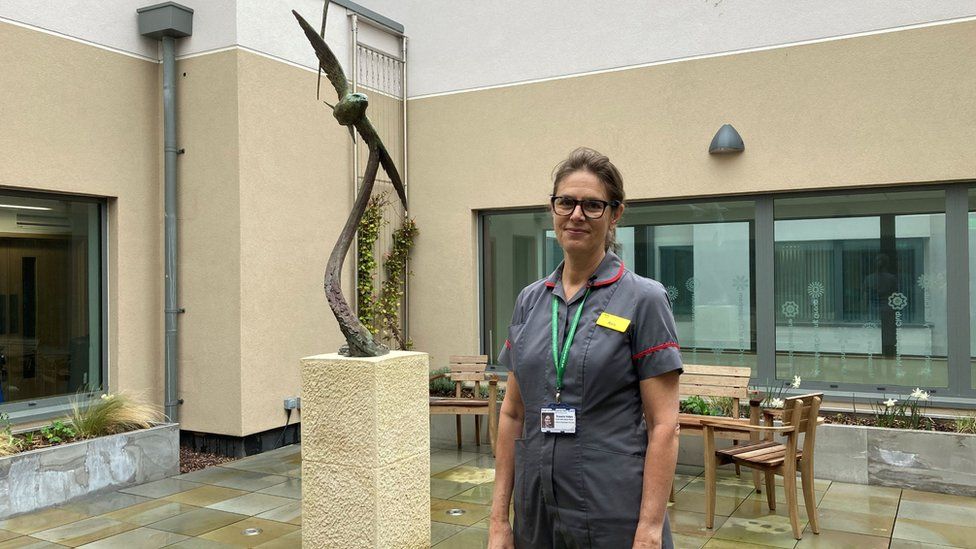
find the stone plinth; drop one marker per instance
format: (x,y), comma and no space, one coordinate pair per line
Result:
(366,451)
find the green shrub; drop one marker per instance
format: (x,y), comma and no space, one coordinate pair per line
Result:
(441,386)
(695,405)
(58,432)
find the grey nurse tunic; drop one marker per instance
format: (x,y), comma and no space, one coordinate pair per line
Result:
(584,490)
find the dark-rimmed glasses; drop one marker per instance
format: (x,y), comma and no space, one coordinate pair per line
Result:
(592,208)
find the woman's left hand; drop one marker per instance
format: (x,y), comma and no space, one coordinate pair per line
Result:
(647,538)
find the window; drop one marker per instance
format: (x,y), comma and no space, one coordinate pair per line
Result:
(50,297)
(848,290)
(516,251)
(860,288)
(701,253)
(972,287)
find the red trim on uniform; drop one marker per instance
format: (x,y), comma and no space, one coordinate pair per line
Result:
(655,349)
(615,278)
(550,284)
(507,344)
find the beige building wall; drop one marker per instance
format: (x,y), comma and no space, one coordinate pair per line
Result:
(295,195)
(209,226)
(884,109)
(81,120)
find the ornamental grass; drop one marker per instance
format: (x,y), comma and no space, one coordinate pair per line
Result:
(111,414)
(7,445)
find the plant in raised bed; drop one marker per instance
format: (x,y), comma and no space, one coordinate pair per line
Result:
(695,405)
(8,445)
(966,424)
(906,413)
(112,413)
(58,432)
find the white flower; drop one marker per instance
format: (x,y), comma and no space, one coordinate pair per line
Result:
(796,382)
(919,394)
(890,402)
(776,403)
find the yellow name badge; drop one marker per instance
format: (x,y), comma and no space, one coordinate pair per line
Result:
(608,320)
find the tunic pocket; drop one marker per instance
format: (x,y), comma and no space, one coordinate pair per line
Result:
(613,483)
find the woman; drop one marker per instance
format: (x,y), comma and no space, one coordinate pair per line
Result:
(594,345)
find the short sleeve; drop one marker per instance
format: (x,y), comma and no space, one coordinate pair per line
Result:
(505,354)
(654,340)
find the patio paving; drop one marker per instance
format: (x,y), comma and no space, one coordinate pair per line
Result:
(213,508)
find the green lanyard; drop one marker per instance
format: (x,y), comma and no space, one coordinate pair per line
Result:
(557,358)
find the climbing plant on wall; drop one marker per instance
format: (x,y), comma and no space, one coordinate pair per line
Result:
(380,311)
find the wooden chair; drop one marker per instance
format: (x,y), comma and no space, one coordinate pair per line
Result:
(467,369)
(800,416)
(720,381)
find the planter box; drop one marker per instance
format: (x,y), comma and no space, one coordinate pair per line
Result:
(919,460)
(58,474)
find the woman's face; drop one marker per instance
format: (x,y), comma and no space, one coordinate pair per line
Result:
(576,234)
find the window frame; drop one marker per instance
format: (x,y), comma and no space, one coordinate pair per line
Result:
(25,411)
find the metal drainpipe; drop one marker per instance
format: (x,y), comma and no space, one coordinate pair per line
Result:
(167,22)
(169,208)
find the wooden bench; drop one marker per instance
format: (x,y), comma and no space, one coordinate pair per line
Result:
(720,381)
(470,369)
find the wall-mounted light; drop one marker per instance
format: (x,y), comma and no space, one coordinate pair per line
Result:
(726,141)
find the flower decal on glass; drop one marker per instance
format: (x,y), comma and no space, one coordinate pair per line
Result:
(740,283)
(815,290)
(672,293)
(897,301)
(924,281)
(691,284)
(790,309)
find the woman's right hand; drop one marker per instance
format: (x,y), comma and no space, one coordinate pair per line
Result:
(500,535)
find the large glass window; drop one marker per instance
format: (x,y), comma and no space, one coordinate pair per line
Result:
(50,297)
(860,288)
(515,252)
(702,254)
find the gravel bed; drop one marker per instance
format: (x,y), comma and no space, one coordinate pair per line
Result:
(194,461)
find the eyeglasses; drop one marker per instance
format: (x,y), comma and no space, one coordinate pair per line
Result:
(592,208)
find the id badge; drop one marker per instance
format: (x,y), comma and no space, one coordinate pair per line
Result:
(557,418)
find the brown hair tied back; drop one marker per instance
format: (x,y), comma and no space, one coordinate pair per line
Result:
(598,164)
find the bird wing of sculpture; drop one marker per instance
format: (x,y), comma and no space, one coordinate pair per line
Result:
(333,70)
(327,59)
(369,135)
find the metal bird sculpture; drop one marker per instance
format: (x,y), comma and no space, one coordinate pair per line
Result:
(350,111)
